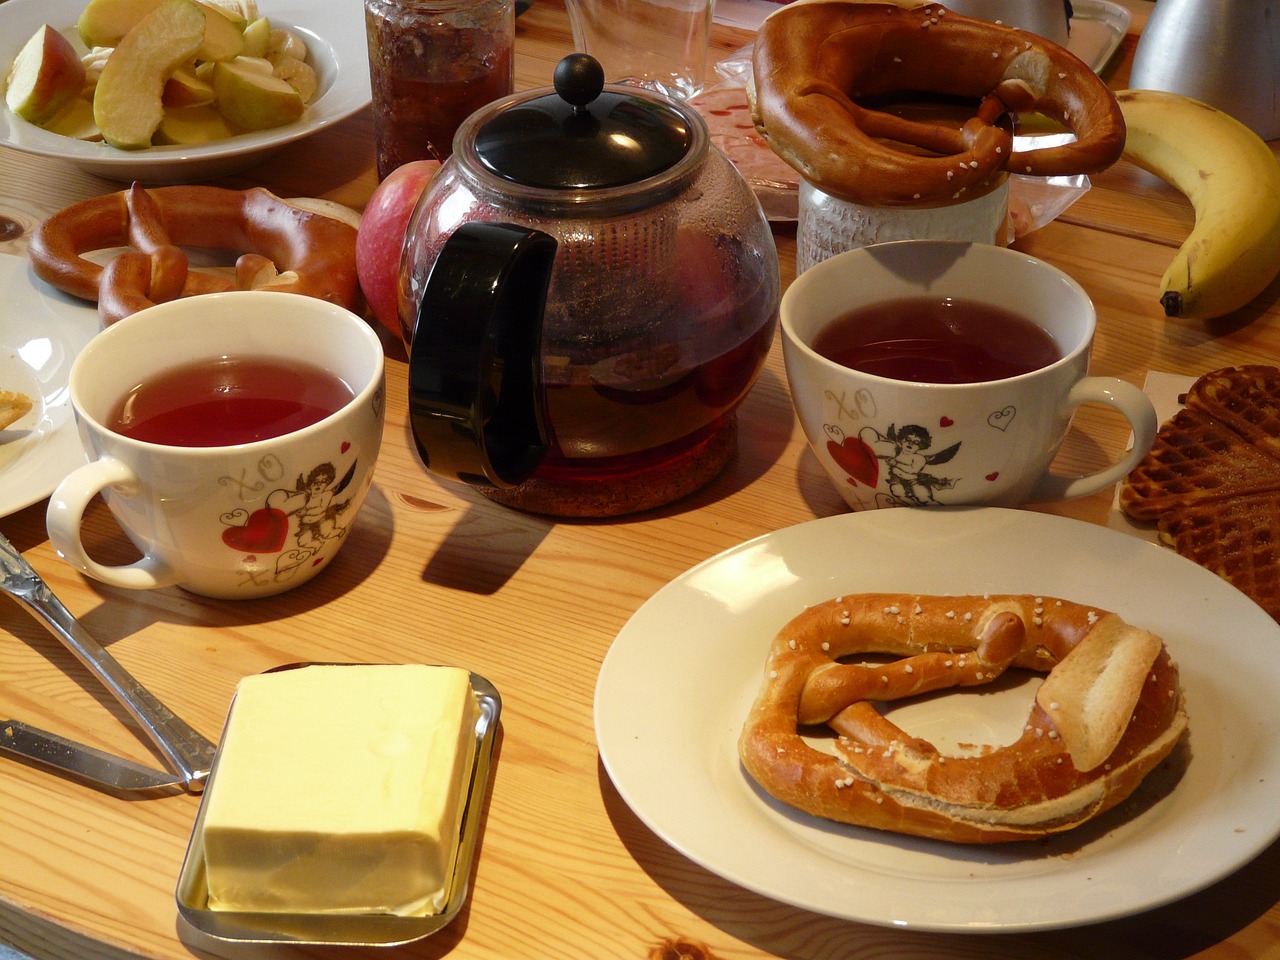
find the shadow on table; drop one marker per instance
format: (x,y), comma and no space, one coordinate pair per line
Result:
(1179,930)
(489,543)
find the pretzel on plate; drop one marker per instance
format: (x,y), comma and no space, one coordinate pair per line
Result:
(1109,710)
(818,64)
(293,246)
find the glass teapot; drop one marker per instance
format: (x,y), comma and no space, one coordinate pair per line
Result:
(588,289)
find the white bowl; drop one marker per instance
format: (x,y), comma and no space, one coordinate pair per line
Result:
(333,30)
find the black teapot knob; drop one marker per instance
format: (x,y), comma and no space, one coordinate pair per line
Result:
(578,79)
(583,134)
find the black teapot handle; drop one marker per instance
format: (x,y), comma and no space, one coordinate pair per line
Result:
(475,364)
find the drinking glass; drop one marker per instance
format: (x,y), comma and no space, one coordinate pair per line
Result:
(659,44)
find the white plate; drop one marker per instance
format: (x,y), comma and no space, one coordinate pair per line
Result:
(676,686)
(41,332)
(333,30)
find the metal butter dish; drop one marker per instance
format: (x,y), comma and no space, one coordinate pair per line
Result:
(368,930)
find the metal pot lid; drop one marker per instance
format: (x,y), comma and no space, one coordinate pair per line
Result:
(583,136)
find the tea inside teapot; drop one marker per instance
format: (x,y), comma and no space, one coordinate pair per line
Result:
(659,309)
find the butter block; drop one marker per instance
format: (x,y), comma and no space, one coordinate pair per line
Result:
(340,789)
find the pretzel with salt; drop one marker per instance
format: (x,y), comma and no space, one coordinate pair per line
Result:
(817,64)
(293,246)
(1109,710)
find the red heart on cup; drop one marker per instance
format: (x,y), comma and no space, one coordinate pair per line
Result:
(993,475)
(263,532)
(856,459)
(945,422)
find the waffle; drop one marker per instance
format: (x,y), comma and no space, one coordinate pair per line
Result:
(1194,459)
(1211,480)
(1245,399)
(1238,539)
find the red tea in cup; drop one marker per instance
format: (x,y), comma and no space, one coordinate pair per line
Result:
(937,340)
(228,401)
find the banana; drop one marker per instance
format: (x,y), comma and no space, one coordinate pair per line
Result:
(1231,178)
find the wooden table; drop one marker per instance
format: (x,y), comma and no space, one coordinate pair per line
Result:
(436,573)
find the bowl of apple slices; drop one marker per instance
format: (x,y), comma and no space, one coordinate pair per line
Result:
(176,91)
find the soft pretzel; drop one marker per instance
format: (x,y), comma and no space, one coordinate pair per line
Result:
(1109,710)
(819,63)
(286,246)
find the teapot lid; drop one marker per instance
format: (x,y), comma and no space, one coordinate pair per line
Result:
(583,136)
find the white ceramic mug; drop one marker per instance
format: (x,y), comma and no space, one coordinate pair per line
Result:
(245,520)
(890,442)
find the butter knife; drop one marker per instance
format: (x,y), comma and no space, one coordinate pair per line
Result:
(80,760)
(185,750)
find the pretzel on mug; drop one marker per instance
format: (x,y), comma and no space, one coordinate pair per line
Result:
(1109,710)
(818,63)
(292,246)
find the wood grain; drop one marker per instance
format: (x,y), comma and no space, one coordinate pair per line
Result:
(434,572)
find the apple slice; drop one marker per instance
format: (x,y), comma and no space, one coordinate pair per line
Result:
(199,124)
(233,15)
(257,37)
(127,103)
(222,38)
(47,75)
(75,120)
(253,100)
(185,89)
(254,65)
(103,23)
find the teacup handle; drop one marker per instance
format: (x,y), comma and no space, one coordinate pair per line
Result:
(65,517)
(1137,409)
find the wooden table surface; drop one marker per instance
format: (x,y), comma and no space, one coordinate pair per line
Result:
(436,573)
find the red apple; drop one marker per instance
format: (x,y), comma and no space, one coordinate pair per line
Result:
(381,237)
(47,75)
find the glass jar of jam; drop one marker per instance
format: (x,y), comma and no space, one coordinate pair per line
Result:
(432,63)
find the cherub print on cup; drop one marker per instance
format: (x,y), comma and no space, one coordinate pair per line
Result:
(908,462)
(295,523)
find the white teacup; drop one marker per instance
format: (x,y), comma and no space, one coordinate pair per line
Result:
(887,442)
(242,519)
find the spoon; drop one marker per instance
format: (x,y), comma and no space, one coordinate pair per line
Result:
(187,752)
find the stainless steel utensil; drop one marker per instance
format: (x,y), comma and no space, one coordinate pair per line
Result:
(185,750)
(1225,53)
(80,760)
